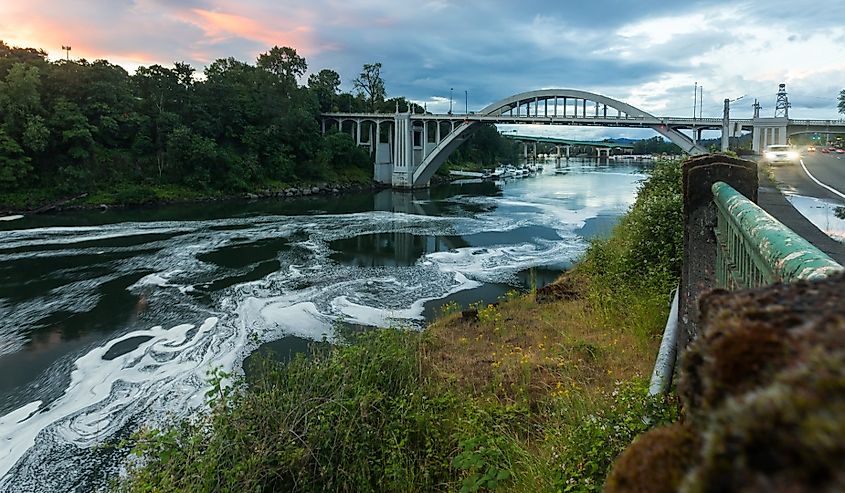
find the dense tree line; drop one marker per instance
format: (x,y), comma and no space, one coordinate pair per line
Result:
(655,145)
(486,147)
(78,125)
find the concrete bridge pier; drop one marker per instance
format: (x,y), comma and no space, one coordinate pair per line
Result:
(768,131)
(403,152)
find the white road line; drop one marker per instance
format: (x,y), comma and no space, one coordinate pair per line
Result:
(837,192)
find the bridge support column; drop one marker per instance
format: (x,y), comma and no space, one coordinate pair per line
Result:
(403,151)
(768,131)
(358,132)
(534,152)
(698,272)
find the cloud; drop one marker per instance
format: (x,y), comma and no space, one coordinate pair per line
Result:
(647,53)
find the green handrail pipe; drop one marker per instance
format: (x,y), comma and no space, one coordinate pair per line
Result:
(756,249)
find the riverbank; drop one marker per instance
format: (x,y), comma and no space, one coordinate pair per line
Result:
(538,392)
(36,201)
(40,201)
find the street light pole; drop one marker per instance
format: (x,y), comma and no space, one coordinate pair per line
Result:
(466,102)
(726,122)
(450,99)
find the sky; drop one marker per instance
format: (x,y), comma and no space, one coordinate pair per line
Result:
(646,53)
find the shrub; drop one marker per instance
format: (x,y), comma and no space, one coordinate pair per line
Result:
(593,444)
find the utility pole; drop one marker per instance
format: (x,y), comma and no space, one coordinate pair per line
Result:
(694,99)
(67,52)
(756,107)
(466,102)
(450,99)
(726,123)
(701,103)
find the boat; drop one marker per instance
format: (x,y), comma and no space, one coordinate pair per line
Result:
(466,174)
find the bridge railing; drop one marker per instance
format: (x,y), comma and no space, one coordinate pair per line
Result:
(755,249)
(729,243)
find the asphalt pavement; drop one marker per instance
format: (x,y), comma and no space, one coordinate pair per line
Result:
(827,169)
(823,172)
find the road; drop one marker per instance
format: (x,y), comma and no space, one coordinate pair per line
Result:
(818,175)
(829,169)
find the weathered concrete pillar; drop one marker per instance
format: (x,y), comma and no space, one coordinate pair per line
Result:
(323,126)
(698,273)
(358,132)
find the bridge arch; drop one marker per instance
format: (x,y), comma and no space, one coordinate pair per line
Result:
(507,106)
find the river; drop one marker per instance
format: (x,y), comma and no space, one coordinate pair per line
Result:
(111,320)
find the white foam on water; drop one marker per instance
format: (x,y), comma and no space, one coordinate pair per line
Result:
(497,264)
(352,312)
(104,394)
(158,279)
(13,217)
(272,319)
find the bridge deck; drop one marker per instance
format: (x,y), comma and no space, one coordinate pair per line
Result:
(555,140)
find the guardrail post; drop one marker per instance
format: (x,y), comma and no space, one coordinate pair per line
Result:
(698,273)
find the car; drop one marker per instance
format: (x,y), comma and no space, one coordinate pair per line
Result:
(811,148)
(825,150)
(781,154)
(840,151)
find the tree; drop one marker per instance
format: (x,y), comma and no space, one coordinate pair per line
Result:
(283,62)
(370,84)
(325,85)
(842,101)
(14,164)
(19,96)
(36,134)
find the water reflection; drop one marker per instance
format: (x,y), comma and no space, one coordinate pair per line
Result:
(824,214)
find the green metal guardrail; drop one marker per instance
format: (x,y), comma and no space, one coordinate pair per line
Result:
(755,249)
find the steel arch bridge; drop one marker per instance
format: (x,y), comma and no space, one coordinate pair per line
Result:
(409,148)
